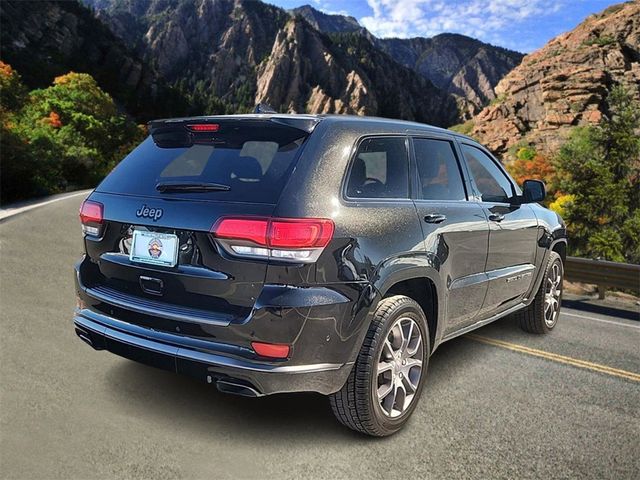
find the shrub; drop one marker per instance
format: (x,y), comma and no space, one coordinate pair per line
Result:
(528,164)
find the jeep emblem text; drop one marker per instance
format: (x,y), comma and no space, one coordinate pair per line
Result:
(146,212)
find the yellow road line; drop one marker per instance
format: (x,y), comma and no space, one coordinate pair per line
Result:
(596,367)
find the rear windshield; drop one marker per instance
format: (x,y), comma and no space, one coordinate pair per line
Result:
(253,162)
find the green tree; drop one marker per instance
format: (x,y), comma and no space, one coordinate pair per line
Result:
(27,169)
(67,135)
(600,167)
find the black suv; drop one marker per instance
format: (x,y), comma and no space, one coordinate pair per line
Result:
(332,254)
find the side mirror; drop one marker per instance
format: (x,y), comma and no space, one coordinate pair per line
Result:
(533,191)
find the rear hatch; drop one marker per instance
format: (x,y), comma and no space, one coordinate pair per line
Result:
(161,203)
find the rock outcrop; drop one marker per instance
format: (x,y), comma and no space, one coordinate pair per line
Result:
(328,23)
(565,83)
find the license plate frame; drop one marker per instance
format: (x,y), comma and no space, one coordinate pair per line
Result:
(154,248)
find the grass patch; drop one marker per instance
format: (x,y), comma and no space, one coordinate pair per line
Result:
(600,41)
(499,99)
(464,128)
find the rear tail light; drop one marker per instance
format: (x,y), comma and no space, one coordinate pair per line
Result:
(289,239)
(270,350)
(91,217)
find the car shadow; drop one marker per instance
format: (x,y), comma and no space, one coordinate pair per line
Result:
(163,396)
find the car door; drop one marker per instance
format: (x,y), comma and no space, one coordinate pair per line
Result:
(513,230)
(455,229)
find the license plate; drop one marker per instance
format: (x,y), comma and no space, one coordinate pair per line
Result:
(154,248)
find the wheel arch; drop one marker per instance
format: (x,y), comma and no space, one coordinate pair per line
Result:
(560,247)
(422,284)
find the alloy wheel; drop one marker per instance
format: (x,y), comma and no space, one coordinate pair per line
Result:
(399,367)
(552,295)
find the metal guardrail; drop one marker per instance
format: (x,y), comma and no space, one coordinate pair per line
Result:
(603,274)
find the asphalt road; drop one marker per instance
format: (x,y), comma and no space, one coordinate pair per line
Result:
(488,411)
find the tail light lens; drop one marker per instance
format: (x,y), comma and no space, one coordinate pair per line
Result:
(289,239)
(91,217)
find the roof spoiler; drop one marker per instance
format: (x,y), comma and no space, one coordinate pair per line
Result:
(303,122)
(230,130)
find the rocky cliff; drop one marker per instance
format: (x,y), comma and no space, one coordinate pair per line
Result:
(42,40)
(565,83)
(461,66)
(345,76)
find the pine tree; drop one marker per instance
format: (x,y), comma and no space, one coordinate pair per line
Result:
(600,167)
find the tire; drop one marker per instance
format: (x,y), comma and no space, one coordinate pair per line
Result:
(537,318)
(357,404)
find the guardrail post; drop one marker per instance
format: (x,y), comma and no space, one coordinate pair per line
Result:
(602,290)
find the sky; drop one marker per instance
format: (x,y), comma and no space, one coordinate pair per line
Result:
(522,25)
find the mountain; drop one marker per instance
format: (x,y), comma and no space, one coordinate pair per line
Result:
(42,40)
(327,23)
(346,74)
(461,66)
(228,55)
(163,58)
(565,83)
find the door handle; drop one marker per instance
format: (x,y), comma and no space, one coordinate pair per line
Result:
(496,217)
(435,218)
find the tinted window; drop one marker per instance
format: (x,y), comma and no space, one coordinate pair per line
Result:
(489,179)
(380,169)
(438,170)
(254,164)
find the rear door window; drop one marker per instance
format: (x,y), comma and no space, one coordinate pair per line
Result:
(438,170)
(380,169)
(254,162)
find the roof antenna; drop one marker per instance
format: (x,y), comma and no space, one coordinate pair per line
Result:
(264,108)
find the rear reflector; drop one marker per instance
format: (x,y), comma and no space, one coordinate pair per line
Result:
(204,127)
(91,217)
(271,350)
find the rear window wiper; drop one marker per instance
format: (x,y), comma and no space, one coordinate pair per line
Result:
(166,187)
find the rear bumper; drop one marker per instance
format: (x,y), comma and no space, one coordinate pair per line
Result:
(168,352)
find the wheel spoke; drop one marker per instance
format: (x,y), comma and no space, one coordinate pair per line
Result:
(413,362)
(406,338)
(411,351)
(409,387)
(384,367)
(385,390)
(387,349)
(400,400)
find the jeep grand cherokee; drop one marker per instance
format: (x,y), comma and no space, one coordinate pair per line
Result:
(282,253)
